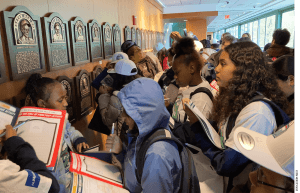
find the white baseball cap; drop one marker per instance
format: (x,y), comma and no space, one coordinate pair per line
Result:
(275,152)
(124,67)
(119,56)
(198,45)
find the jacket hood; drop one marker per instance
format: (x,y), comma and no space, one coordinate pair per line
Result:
(276,50)
(143,101)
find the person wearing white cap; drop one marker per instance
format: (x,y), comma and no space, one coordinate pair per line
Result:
(109,105)
(274,152)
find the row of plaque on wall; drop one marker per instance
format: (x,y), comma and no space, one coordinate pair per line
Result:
(65,45)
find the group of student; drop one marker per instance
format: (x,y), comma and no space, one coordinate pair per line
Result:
(144,98)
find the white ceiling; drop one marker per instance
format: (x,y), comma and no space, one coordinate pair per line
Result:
(238,10)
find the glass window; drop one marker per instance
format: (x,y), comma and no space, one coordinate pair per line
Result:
(236,31)
(270,27)
(262,32)
(251,29)
(242,29)
(288,19)
(255,29)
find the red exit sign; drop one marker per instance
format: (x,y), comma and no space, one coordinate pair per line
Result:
(226,16)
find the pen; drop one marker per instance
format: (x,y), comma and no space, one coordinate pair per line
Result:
(15,127)
(112,131)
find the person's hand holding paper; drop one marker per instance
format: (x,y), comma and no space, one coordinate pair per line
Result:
(192,117)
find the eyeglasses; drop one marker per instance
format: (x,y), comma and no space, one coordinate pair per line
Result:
(259,176)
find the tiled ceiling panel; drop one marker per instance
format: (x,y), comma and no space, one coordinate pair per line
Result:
(209,1)
(169,3)
(190,2)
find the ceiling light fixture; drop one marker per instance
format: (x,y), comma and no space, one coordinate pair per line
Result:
(185,20)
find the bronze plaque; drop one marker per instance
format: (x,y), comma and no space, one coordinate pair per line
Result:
(69,86)
(146,40)
(127,33)
(3,77)
(143,40)
(153,39)
(24,42)
(162,37)
(138,37)
(97,70)
(117,38)
(57,46)
(133,34)
(83,93)
(157,37)
(107,40)
(95,41)
(79,41)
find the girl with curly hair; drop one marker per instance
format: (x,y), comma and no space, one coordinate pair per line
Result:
(241,74)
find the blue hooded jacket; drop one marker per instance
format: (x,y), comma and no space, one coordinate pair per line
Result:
(143,101)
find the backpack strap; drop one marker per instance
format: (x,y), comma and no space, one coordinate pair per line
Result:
(280,116)
(204,90)
(158,135)
(199,90)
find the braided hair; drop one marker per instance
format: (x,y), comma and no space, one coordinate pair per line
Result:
(37,87)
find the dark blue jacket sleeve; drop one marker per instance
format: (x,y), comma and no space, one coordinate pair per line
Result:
(226,162)
(79,140)
(23,154)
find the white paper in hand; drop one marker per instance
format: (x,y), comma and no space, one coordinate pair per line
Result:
(208,128)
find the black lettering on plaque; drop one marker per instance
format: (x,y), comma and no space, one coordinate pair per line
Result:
(27,61)
(97,51)
(86,102)
(59,57)
(80,54)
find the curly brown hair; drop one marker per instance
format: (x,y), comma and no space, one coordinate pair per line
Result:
(251,75)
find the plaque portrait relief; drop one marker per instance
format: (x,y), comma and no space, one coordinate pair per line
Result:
(24,40)
(107,34)
(24,29)
(133,34)
(127,33)
(96,32)
(117,38)
(69,86)
(84,96)
(108,40)
(79,31)
(138,37)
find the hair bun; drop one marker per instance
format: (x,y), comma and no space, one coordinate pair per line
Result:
(32,82)
(184,46)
